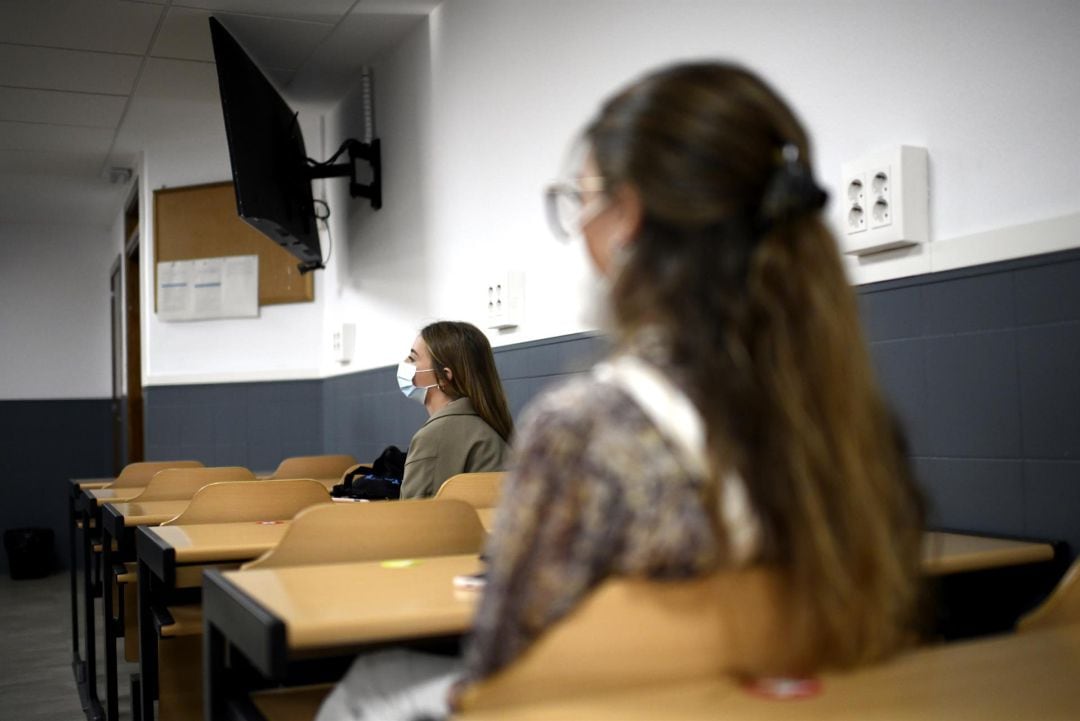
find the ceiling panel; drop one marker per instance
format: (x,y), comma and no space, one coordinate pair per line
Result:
(51,69)
(185,35)
(335,66)
(396,7)
(175,97)
(118,27)
(276,44)
(324,11)
(34,136)
(60,108)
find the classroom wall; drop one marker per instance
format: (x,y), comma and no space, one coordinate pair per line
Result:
(478,106)
(284,341)
(54,311)
(981,366)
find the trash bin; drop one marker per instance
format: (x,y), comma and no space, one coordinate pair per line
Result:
(29,552)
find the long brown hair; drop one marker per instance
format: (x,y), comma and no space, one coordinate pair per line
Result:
(734,264)
(465,350)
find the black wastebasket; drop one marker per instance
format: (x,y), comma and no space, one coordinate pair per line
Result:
(29,552)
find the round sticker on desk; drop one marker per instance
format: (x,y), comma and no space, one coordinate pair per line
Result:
(782,689)
(400,563)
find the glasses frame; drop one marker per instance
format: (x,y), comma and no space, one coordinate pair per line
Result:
(564,223)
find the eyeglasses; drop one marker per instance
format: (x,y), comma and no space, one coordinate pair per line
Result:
(566,208)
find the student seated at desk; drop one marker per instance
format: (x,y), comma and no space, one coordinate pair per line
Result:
(450,369)
(737,421)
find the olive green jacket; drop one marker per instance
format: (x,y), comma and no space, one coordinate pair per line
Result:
(453,440)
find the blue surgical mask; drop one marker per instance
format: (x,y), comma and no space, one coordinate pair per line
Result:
(405,373)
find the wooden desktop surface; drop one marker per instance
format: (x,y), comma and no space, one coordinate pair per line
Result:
(1005,678)
(210,542)
(150,513)
(113,495)
(91,483)
(356,603)
(945,553)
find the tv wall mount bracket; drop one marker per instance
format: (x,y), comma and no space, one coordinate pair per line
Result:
(359,153)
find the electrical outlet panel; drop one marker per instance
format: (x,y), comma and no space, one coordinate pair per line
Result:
(886,200)
(505,298)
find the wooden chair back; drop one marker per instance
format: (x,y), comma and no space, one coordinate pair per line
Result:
(180,484)
(350,532)
(1061,607)
(232,501)
(319,467)
(479,490)
(135,475)
(630,632)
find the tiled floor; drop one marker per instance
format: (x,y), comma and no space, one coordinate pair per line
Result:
(36,681)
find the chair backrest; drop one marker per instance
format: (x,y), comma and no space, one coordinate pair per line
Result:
(630,632)
(180,484)
(134,475)
(232,501)
(479,490)
(350,532)
(330,466)
(1061,607)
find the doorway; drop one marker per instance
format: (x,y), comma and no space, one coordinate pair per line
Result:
(127,401)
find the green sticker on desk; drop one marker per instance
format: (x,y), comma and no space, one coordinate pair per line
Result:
(400,563)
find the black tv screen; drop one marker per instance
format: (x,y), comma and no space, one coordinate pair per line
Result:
(266,149)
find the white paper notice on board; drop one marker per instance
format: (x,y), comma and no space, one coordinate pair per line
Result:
(208,288)
(174,293)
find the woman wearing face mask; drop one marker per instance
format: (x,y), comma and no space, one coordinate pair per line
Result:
(451,371)
(737,422)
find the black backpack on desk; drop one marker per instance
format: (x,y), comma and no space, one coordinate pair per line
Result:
(381,482)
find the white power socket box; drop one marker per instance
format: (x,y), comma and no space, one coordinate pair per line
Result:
(886,200)
(505,298)
(342,342)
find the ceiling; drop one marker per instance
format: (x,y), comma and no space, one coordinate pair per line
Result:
(86,84)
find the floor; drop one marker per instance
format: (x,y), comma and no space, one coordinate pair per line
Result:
(36,680)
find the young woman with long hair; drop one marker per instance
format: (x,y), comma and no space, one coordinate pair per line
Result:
(451,370)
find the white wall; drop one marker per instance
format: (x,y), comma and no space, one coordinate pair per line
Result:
(54,311)
(477,108)
(283,342)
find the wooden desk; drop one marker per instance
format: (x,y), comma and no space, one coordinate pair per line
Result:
(118,522)
(1004,678)
(172,558)
(276,617)
(77,520)
(956,553)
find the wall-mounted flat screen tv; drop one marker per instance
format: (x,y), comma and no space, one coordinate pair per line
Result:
(266,149)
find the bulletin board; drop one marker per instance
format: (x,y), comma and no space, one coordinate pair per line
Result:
(200,221)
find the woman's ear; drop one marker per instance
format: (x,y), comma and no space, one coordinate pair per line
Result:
(448,374)
(628,213)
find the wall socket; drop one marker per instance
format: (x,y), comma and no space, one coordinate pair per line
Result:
(505,297)
(886,200)
(342,342)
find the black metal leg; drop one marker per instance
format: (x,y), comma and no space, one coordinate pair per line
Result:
(148,671)
(213,672)
(93,710)
(136,689)
(112,704)
(73,559)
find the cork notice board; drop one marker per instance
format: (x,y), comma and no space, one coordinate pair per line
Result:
(200,221)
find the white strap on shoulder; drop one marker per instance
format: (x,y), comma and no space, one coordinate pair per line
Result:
(676,417)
